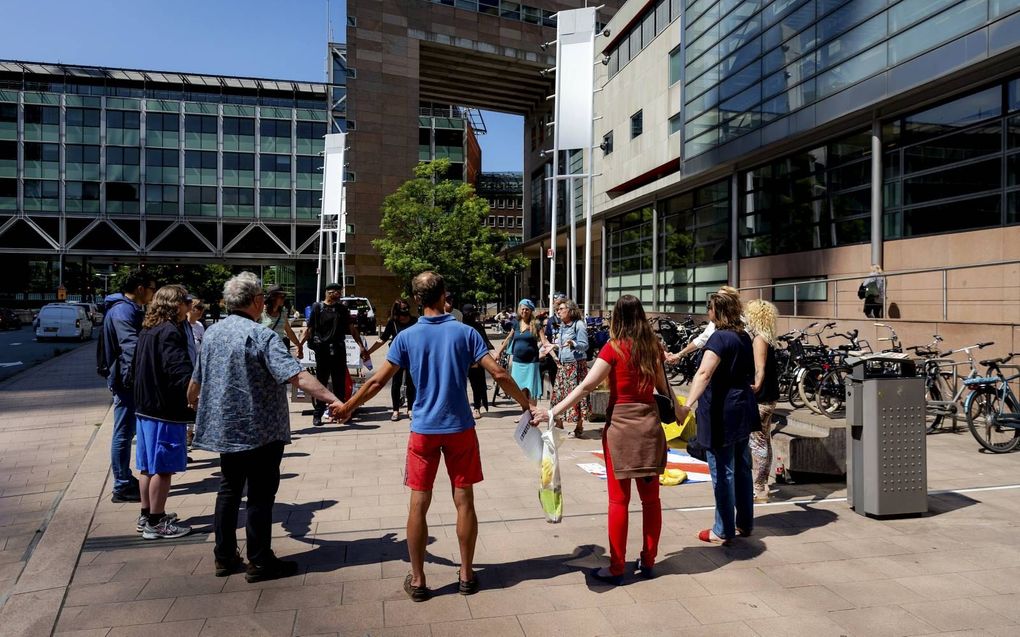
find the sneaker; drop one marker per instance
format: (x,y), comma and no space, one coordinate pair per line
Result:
(144,519)
(125,496)
(166,529)
(316,421)
(273,569)
(229,567)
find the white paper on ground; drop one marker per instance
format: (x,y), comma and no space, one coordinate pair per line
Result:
(529,438)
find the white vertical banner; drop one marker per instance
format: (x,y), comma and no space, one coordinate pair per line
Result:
(333,217)
(575,35)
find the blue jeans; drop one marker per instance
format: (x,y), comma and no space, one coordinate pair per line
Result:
(120,446)
(730,467)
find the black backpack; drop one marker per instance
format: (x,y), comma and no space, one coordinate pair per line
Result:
(862,291)
(103,359)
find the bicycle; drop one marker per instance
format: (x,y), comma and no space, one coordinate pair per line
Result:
(942,380)
(995,428)
(830,395)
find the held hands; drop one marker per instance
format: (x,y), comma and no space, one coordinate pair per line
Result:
(672,358)
(539,416)
(339,411)
(681,411)
(365,355)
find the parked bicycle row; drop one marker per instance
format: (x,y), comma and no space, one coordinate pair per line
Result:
(814,362)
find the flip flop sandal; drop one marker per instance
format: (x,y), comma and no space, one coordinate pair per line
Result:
(394,417)
(743,532)
(416,593)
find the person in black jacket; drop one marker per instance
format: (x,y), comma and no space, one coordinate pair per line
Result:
(161,371)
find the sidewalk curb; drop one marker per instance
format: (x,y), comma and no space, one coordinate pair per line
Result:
(38,596)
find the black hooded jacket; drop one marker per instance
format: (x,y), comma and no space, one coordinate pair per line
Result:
(161,371)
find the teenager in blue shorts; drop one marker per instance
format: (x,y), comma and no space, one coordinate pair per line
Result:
(161,370)
(438,351)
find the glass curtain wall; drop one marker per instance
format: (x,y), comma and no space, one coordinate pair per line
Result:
(955,166)
(693,250)
(819,198)
(748,63)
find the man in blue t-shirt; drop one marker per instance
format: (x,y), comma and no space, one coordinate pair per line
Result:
(438,351)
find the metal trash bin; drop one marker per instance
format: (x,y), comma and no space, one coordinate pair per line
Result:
(887,471)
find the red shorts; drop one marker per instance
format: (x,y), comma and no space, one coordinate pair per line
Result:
(463,461)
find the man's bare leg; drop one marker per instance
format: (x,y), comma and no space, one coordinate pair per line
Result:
(467,529)
(418,534)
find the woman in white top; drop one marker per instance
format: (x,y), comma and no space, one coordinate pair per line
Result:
(274,316)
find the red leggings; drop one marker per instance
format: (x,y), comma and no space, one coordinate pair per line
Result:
(651,516)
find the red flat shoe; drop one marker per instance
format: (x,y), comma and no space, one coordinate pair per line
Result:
(707,536)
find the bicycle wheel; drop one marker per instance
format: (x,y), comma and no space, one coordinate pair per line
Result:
(932,393)
(983,406)
(807,386)
(793,395)
(830,396)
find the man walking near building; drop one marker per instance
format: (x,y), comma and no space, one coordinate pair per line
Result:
(328,326)
(438,351)
(121,323)
(238,388)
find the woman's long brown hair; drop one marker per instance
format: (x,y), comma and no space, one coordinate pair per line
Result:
(629,323)
(163,308)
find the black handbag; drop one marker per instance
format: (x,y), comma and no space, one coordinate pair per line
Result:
(665,405)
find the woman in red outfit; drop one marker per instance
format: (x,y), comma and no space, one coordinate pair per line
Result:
(633,441)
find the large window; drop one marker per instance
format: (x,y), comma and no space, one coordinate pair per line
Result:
(820,198)
(955,166)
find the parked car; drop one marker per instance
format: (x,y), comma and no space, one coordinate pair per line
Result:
(63,320)
(9,320)
(362,309)
(93,312)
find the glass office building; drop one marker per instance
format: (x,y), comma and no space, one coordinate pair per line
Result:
(777,109)
(105,165)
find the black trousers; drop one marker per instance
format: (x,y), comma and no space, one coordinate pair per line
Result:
(402,377)
(873,307)
(259,469)
(330,367)
(476,376)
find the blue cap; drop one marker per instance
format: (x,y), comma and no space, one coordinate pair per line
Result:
(526,303)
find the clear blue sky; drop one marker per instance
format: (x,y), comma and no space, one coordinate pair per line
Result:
(260,38)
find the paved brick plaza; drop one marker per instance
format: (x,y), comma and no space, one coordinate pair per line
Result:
(811,568)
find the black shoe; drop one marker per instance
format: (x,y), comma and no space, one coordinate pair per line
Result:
(416,593)
(469,587)
(615,580)
(230,566)
(647,572)
(125,496)
(273,569)
(316,421)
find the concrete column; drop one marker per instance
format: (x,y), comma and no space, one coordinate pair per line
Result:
(876,192)
(734,234)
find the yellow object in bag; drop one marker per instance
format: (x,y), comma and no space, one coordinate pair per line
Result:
(675,430)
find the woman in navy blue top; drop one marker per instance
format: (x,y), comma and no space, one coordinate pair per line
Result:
(726,413)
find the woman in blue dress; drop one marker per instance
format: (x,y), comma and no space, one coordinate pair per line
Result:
(523,341)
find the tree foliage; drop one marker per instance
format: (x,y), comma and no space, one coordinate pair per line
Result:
(202,281)
(431,223)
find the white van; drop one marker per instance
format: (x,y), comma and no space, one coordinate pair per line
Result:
(63,320)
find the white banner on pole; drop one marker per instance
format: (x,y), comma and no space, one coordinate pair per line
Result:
(575,33)
(333,175)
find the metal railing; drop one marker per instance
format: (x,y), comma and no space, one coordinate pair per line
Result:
(991,294)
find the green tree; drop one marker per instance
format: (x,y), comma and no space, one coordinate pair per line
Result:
(431,223)
(203,281)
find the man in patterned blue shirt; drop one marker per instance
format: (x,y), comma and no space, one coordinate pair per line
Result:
(239,393)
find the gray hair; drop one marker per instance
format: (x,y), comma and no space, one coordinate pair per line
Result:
(241,290)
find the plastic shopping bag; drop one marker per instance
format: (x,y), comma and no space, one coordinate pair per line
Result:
(549,493)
